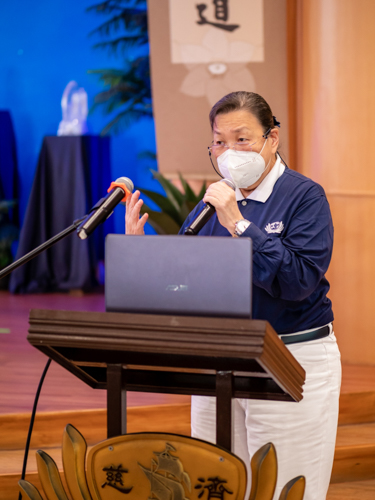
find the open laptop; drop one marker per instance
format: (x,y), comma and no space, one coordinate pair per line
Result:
(198,276)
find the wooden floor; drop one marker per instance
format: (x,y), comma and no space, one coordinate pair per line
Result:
(21,365)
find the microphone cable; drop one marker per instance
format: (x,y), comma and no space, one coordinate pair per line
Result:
(32,422)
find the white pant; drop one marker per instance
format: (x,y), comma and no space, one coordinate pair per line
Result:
(303,433)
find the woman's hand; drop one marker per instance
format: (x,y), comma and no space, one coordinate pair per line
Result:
(223,198)
(134,224)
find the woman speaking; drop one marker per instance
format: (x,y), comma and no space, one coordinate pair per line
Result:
(287,216)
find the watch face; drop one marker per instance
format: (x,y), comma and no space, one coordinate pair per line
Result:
(241,226)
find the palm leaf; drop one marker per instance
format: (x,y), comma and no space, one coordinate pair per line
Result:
(185,209)
(189,193)
(132,20)
(173,193)
(164,204)
(124,43)
(135,74)
(173,213)
(109,6)
(191,205)
(202,192)
(160,221)
(129,92)
(116,96)
(148,155)
(125,119)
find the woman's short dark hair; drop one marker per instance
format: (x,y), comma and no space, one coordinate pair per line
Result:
(250,101)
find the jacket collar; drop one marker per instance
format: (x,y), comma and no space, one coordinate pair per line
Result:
(265,188)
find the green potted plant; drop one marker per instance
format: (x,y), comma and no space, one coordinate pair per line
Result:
(175,206)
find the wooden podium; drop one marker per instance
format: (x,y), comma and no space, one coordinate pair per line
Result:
(220,357)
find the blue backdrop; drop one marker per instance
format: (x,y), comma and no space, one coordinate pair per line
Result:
(44,45)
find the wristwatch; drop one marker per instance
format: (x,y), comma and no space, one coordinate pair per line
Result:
(240,226)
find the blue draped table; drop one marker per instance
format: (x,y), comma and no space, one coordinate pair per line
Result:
(73,173)
(8,163)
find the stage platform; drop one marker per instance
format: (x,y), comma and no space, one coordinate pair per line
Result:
(21,365)
(66,399)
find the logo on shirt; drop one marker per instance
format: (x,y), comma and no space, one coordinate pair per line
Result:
(274,227)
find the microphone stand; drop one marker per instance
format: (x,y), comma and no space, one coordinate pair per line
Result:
(44,246)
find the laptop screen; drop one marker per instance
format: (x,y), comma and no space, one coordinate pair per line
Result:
(198,276)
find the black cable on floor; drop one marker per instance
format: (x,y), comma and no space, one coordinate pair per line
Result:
(32,423)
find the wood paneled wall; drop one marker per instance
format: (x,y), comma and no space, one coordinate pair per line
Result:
(335,133)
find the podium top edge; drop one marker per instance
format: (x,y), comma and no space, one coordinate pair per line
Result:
(115,318)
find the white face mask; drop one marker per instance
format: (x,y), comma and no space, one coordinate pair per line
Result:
(244,168)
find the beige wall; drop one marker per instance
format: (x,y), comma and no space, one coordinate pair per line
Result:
(336,129)
(182,127)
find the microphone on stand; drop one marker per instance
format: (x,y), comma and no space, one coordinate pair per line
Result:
(118,191)
(205,214)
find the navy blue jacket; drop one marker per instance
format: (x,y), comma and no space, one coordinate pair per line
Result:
(292,236)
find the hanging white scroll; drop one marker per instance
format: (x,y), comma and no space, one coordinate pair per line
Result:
(216,31)
(215,39)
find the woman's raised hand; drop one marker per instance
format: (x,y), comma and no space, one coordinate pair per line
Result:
(134,224)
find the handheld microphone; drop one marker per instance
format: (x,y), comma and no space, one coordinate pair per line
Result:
(205,214)
(118,191)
